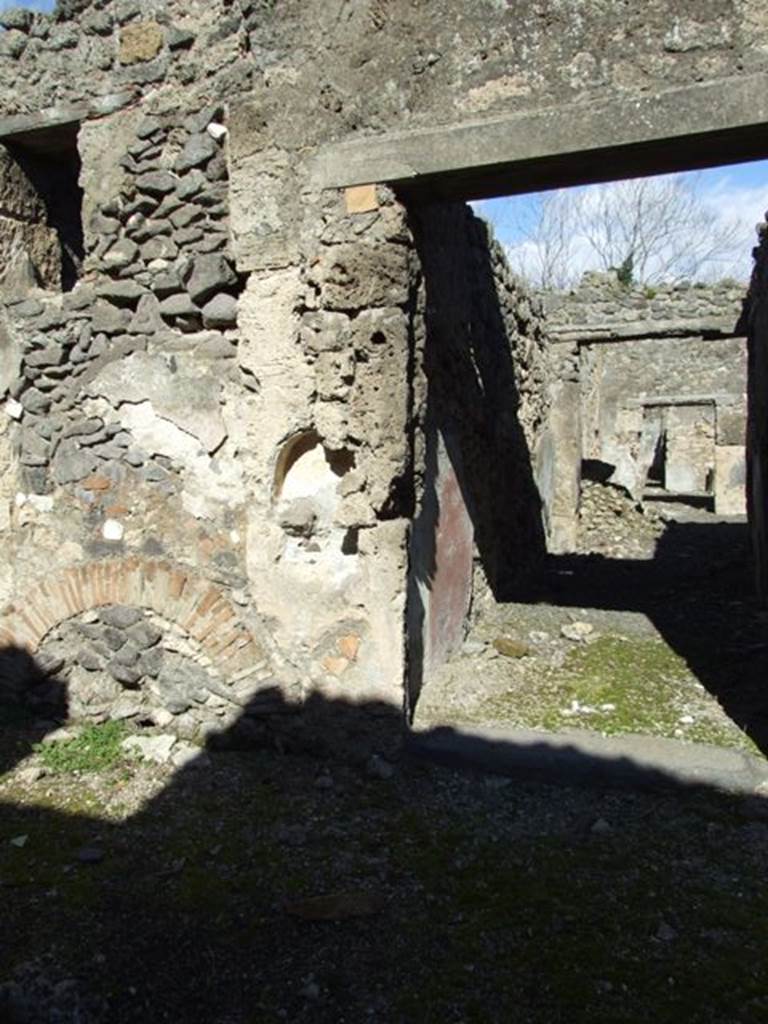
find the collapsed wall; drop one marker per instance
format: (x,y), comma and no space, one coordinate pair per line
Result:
(651,390)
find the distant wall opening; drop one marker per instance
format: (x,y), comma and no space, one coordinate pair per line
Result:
(41,230)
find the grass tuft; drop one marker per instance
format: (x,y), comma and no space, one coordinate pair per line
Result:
(96,749)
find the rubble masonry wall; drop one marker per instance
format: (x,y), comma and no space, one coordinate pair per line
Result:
(638,363)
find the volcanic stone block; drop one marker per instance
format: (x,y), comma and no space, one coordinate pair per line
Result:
(72,463)
(121,616)
(156,183)
(197,151)
(16,18)
(35,401)
(220,311)
(140,41)
(208,275)
(178,305)
(121,254)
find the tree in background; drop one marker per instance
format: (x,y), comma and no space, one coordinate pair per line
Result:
(649,230)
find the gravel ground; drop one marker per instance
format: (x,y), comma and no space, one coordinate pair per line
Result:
(652,628)
(135,894)
(252,888)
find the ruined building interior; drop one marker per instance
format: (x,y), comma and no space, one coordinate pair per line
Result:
(262,437)
(292,462)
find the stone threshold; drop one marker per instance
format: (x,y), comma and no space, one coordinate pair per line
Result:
(581,757)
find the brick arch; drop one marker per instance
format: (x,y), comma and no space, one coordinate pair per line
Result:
(179,595)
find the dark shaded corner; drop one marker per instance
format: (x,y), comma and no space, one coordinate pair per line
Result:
(478,492)
(260,883)
(50,161)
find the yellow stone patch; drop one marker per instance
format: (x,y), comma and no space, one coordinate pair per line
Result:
(140,41)
(361,199)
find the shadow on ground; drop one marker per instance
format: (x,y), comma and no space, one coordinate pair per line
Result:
(697,591)
(139,895)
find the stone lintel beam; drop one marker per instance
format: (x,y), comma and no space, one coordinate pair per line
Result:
(52,122)
(712,398)
(709,328)
(597,140)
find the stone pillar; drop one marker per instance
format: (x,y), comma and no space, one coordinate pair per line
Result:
(560,468)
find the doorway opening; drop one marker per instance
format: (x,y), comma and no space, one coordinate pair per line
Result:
(611,548)
(41,242)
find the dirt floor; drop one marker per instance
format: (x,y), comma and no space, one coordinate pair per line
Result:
(265,888)
(651,629)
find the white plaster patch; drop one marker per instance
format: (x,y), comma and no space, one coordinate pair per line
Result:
(311,477)
(208,483)
(211,483)
(14,409)
(158,435)
(179,391)
(40,502)
(112,530)
(29,505)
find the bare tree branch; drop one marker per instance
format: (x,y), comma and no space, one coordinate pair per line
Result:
(660,227)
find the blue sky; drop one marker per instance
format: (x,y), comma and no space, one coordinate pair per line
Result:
(732,195)
(31,5)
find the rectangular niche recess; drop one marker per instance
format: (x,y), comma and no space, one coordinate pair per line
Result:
(41,229)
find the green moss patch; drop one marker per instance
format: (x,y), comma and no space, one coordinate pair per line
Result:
(616,684)
(97,748)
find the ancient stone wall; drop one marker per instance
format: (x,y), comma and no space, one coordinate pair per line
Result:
(437,62)
(203,501)
(226,380)
(257,433)
(650,377)
(601,306)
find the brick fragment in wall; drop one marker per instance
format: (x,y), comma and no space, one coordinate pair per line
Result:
(132,582)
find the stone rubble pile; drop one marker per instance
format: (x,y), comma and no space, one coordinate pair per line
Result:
(612,524)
